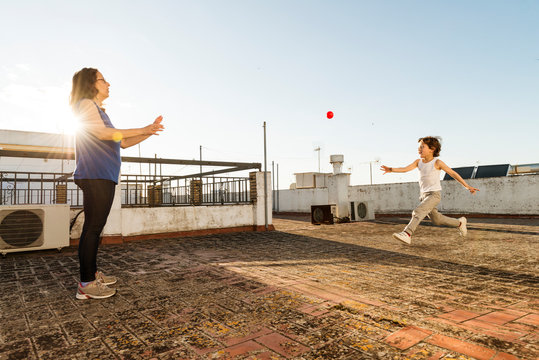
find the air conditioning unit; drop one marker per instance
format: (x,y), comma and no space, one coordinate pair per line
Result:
(323,214)
(361,210)
(33,227)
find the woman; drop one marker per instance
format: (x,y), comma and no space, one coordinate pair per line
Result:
(97,170)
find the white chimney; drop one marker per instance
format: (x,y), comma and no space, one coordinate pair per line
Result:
(336,161)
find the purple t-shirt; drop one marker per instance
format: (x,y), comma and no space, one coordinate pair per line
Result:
(95,158)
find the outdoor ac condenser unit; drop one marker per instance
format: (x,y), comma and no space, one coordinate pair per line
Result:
(33,227)
(323,214)
(361,211)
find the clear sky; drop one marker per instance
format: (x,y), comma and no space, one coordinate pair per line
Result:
(391,71)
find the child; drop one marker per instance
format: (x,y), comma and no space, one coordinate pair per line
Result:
(429,183)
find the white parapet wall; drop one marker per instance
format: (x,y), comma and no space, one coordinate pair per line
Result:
(300,200)
(517,195)
(512,195)
(387,198)
(140,222)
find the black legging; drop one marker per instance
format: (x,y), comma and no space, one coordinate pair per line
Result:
(98,195)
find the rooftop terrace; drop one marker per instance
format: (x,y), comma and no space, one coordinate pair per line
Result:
(346,291)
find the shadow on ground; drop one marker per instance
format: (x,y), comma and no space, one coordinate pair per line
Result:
(304,292)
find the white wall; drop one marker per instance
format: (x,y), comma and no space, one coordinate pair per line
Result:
(262,209)
(36,141)
(398,197)
(300,200)
(132,221)
(31,138)
(517,195)
(157,220)
(139,221)
(503,195)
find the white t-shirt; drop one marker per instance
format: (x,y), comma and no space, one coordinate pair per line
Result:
(429,176)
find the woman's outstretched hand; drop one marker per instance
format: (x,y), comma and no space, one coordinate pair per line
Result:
(154,127)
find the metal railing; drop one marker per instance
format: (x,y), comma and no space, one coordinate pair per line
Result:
(136,190)
(149,190)
(37,188)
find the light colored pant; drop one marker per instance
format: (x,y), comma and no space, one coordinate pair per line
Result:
(429,202)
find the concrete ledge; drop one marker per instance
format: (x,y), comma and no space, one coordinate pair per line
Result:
(409,214)
(499,195)
(474,215)
(119,239)
(293,213)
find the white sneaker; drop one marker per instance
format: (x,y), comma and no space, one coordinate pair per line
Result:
(462,227)
(403,236)
(94,290)
(105,279)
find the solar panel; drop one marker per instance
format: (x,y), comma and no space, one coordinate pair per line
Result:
(486,171)
(464,172)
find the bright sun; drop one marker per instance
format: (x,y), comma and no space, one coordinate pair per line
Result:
(37,108)
(67,122)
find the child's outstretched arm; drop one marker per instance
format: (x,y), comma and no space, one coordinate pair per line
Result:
(441,165)
(387,169)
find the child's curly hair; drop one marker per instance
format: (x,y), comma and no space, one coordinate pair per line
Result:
(434,143)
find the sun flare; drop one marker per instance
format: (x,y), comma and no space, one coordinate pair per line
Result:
(68,124)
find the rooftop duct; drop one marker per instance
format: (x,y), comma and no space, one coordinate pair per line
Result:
(336,161)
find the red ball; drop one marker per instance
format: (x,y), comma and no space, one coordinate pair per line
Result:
(330,114)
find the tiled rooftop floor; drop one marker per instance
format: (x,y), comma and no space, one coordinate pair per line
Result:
(344,291)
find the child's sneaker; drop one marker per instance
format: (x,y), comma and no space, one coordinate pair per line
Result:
(462,227)
(404,237)
(94,290)
(106,280)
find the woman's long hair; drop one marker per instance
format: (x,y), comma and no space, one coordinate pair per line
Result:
(83,86)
